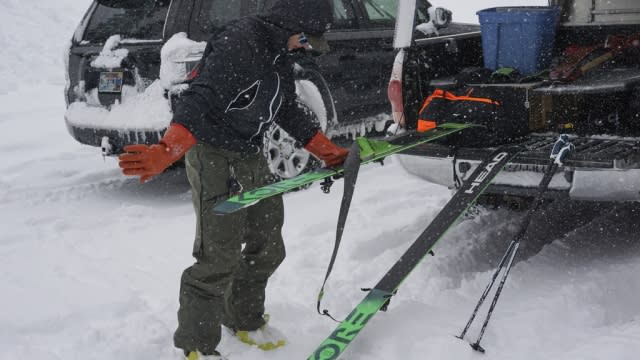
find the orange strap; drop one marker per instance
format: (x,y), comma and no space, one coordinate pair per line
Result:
(450,96)
(426,125)
(441,94)
(436,94)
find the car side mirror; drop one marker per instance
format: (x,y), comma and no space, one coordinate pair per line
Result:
(438,18)
(441,17)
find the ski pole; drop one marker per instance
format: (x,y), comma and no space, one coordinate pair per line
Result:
(486,292)
(559,152)
(476,346)
(513,248)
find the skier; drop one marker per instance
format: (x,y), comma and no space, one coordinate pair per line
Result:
(245,83)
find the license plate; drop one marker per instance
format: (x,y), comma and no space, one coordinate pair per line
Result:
(110,82)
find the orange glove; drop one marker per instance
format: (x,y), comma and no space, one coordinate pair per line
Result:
(325,150)
(147,161)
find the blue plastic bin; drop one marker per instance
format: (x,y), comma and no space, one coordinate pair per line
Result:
(518,37)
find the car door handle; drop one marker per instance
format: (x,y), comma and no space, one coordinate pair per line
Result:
(347,57)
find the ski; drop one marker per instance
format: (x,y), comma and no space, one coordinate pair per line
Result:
(370,151)
(378,297)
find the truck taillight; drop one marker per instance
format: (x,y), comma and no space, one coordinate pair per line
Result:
(395,95)
(394,91)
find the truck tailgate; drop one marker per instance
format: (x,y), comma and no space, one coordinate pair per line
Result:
(591,152)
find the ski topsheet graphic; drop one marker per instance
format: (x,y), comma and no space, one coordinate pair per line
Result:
(370,151)
(378,297)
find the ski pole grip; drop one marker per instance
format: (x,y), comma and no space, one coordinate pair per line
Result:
(558,145)
(561,149)
(564,152)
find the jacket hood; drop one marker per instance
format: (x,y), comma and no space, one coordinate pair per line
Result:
(296,16)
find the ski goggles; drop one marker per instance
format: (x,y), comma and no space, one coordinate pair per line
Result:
(315,42)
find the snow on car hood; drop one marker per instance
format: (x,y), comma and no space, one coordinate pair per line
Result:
(148,110)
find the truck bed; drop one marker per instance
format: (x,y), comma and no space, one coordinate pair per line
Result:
(596,161)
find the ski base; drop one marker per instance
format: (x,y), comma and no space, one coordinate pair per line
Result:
(346,332)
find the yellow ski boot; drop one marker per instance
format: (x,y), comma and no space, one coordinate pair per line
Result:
(265,338)
(196,355)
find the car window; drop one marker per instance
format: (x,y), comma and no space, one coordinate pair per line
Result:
(343,15)
(131,19)
(381,10)
(382,13)
(215,13)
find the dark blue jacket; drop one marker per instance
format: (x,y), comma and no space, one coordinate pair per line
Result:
(246,79)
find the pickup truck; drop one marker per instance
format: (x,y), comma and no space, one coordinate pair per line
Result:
(600,109)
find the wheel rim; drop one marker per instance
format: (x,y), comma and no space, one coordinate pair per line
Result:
(286,156)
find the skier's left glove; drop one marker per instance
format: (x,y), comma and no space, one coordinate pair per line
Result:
(325,150)
(147,161)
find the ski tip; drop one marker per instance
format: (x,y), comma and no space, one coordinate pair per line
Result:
(476,346)
(458,337)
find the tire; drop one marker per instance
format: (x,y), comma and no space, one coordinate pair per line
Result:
(285,155)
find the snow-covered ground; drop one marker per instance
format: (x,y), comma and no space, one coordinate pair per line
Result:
(90,260)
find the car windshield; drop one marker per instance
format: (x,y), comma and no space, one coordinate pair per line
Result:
(131,19)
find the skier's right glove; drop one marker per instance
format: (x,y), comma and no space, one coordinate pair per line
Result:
(147,161)
(325,150)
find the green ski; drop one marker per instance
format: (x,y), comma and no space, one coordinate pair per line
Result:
(370,150)
(378,298)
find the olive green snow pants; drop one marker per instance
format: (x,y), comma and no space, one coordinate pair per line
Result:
(227,283)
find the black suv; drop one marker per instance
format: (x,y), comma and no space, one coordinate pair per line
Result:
(114,97)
